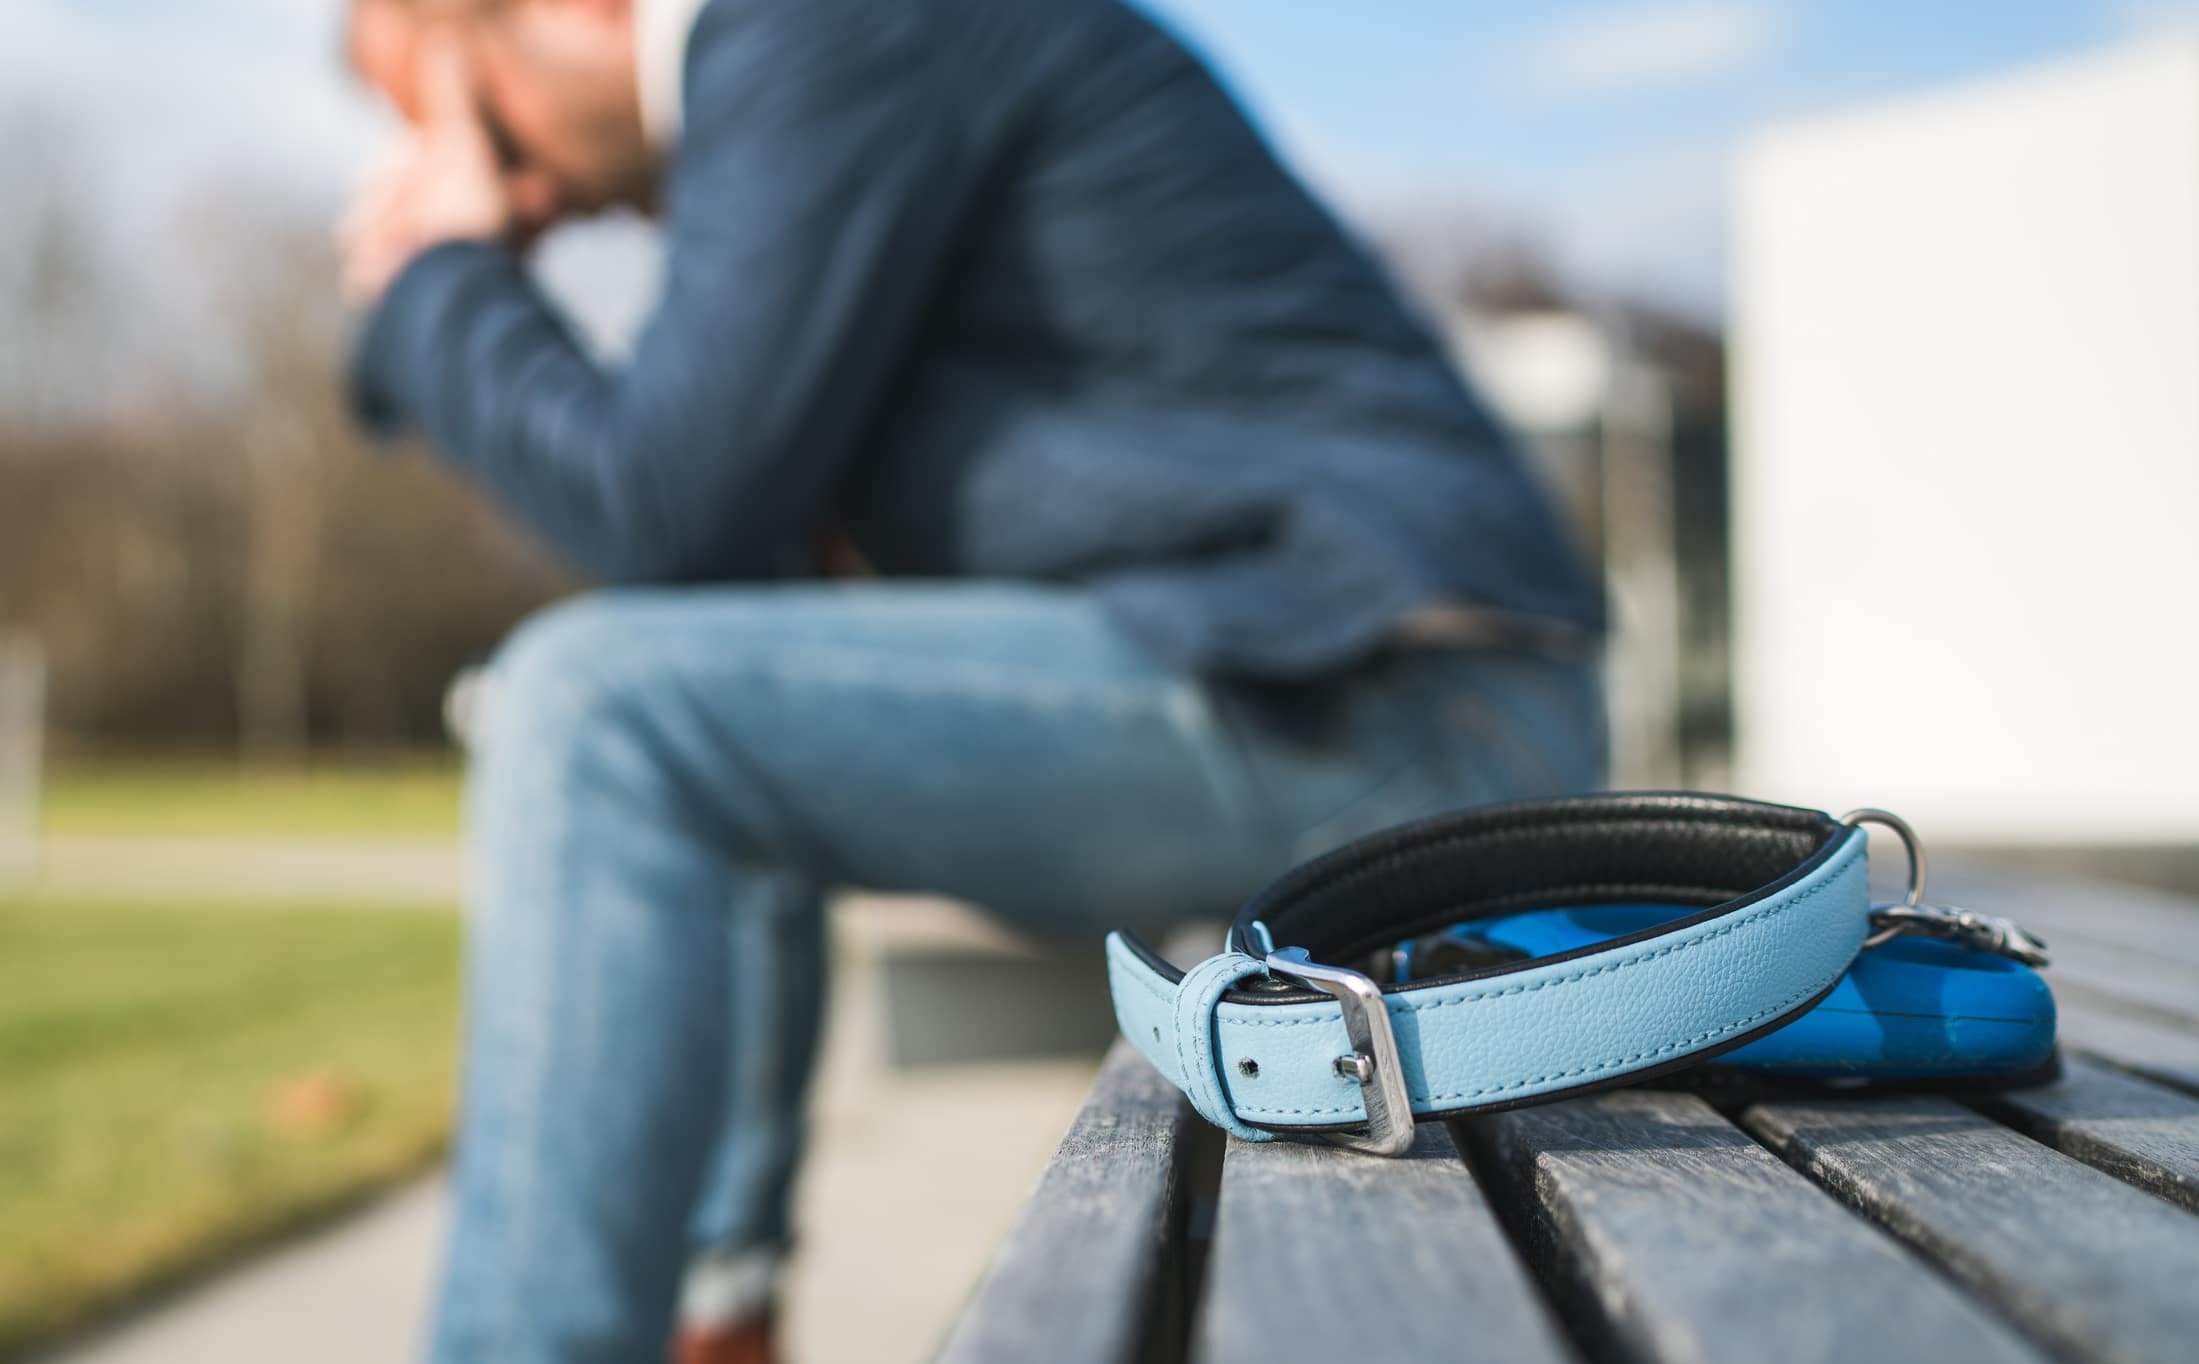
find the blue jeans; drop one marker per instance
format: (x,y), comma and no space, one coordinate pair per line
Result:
(668,782)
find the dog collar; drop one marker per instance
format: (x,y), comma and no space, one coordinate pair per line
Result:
(1269,1039)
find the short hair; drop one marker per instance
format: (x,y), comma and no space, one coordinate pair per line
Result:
(420,9)
(432,8)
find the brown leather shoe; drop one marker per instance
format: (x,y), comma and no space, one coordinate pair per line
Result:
(745,1342)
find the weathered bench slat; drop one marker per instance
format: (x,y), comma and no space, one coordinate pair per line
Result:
(2128,977)
(1087,1275)
(2118,948)
(2146,1042)
(2096,1266)
(2140,1133)
(1643,1226)
(2126,965)
(2149,921)
(1670,1235)
(1325,1254)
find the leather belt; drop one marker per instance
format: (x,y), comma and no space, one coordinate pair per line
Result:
(1269,1039)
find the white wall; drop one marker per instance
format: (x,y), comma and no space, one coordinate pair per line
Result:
(1967,456)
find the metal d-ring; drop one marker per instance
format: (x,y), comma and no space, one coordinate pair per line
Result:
(1871,814)
(1891,921)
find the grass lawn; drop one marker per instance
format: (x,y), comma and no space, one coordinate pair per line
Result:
(178,1082)
(413,797)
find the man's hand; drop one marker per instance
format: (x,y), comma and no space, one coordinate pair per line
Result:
(443,184)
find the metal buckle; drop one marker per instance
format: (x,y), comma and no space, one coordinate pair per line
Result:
(1968,928)
(1372,1061)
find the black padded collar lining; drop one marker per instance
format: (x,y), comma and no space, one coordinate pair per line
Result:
(1671,847)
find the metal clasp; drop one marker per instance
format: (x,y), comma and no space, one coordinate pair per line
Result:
(1371,1063)
(1982,932)
(1967,928)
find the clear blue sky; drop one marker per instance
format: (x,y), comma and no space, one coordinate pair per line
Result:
(1605,126)
(1529,88)
(1600,127)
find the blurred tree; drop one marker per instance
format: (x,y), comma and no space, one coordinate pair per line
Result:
(57,352)
(286,428)
(211,553)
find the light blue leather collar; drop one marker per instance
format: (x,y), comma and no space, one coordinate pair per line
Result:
(1786,910)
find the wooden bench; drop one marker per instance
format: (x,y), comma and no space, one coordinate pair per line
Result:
(2056,1223)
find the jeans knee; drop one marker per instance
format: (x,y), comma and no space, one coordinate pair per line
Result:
(558,680)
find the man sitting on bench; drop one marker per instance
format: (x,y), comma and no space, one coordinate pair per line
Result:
(1191,556)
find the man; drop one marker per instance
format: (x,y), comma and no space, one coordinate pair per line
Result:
(1195,558)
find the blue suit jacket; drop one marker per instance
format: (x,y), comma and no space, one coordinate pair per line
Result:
(1007,288)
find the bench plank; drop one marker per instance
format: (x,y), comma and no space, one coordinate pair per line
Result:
(1658,1229)
(1669,1235)
(2140,1133)
(2126,966)
(2149,921)
(2083,1260)
(1326,1254)
(2125,977)
(1090,1271)
(2152,1044)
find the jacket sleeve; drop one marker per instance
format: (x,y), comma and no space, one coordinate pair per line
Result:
(810,210)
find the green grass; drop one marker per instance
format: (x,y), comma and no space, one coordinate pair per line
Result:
(413,797)
(178,1083)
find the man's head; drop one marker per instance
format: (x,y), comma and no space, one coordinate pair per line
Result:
(555,82)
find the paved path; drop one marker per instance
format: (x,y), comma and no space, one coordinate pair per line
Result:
(429,871)
(352,1294)
(913,1180)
